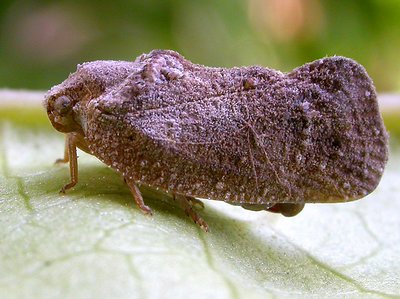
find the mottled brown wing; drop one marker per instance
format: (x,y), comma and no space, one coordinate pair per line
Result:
(248,135)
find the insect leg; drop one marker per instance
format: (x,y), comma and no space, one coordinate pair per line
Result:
(194,202)
(287,209)
(138,197)
(73,161)
(66,157)
(187,203)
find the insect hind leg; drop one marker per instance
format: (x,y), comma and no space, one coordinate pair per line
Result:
(286,209)
(188,204)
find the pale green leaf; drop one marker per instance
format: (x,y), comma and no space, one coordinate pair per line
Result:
(94,243)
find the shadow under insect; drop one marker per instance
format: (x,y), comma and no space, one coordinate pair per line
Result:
(100,183)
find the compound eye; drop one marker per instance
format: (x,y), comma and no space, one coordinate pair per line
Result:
(63,105)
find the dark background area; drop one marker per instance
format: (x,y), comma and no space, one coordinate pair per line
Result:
(41,42)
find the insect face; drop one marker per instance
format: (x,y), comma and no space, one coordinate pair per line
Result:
(66,103)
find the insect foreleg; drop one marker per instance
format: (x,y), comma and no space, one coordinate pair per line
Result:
(71,156)
(66,157)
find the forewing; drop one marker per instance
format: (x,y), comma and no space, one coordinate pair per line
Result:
(208,132)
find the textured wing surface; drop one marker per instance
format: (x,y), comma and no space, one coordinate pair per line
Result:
(247,134)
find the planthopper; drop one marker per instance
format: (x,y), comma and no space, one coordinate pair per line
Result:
(249,136)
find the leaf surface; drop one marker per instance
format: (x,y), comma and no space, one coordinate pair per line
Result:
(94,243)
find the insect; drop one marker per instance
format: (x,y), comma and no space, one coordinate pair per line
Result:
(249,136)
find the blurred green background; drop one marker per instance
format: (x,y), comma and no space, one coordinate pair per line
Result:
(42,41)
